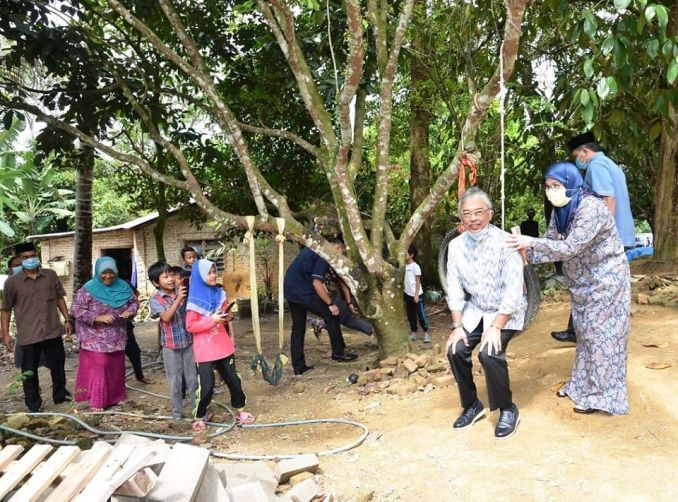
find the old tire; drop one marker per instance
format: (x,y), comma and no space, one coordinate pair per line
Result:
(531,279)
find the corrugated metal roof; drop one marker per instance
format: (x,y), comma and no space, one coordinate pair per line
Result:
(129,225)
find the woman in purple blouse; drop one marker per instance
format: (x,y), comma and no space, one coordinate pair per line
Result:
(101,309)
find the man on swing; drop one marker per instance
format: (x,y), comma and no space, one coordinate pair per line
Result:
(305,292)
(485,296)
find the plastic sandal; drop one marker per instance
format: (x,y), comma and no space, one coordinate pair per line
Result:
(244,418)
(199,425)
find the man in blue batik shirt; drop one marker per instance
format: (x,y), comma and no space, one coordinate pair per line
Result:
(605,178)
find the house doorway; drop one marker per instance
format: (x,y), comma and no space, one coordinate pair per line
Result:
(123,259)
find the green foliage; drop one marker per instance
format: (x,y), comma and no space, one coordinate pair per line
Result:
(32,202)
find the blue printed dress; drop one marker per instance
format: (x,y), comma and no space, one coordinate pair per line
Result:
(597,273)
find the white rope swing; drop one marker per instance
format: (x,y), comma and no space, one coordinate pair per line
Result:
(502,115)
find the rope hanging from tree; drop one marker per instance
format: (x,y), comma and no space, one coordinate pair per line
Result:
(259,363)
(282,358)
(502,114)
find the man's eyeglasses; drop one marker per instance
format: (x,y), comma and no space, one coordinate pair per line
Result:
(476,214)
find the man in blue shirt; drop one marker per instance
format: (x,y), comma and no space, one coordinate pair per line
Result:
(605,178)
(304,289)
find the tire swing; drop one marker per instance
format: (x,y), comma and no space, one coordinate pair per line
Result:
(259,363)
(532,288)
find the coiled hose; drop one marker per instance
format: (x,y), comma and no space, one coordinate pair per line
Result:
(222,428)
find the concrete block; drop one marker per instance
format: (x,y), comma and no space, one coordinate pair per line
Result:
(302,476)
(287,468)
(243,473)
(305,491)
(250,492)
(211,488)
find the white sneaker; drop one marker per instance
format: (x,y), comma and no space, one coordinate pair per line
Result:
(413,337)
(427,338)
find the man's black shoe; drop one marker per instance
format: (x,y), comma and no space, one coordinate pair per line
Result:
(470,416)
(509,418)
(564,336)
(345,357)
(303,370)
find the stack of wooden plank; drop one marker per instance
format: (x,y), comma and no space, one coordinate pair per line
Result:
(136,468)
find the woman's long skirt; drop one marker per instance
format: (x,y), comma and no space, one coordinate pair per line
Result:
(101,378)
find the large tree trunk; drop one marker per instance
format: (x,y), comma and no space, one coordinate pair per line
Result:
(666,193)
(161,203)
(665,224)
(385,310)
(420,118)
(82,249)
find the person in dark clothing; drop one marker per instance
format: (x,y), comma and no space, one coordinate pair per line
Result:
(305,291)
(529,226)
(133,353)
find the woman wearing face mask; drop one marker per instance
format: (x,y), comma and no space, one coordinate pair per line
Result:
(102,308)
(582,234)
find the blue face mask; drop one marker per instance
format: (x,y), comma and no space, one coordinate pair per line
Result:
(30,263)
(17,269)
(581,165)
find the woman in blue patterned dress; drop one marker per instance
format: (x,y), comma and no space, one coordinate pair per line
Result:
(582,234)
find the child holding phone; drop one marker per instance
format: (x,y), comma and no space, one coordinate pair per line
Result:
(213,348)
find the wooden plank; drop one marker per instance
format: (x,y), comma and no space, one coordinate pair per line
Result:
(9,453)
(78,474)
(97,488)
(182,474)
(19,470)
(45,474)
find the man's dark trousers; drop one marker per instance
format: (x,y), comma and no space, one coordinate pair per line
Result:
(298,312)
(55,358)
(496,370)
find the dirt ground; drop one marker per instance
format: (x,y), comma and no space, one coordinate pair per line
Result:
(412,453)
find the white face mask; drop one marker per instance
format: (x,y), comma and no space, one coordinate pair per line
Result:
(557,197)
(480,234)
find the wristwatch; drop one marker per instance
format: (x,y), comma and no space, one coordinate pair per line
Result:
(456,325)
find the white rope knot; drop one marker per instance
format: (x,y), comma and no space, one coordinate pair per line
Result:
(280,238)
(248,237)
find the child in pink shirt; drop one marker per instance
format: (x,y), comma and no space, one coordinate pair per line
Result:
(212,345)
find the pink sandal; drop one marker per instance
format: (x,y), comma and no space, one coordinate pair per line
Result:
(199,425)
(244,418)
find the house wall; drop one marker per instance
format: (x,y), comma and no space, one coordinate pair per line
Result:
(178,231)
(64,246)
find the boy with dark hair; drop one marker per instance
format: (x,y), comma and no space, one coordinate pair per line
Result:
(188,257)
(414,295)
(168,303)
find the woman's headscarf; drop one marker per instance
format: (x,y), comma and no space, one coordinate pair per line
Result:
(203,298)
(567,174)
(117,294)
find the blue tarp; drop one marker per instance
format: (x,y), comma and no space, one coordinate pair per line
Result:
(634,253)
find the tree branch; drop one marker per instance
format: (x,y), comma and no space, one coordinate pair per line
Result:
(478,109)
(280,133)
(258,184)
(384,129)
(282,26)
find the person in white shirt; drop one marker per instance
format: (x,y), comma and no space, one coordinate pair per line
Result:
(414,295)
(486,297)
